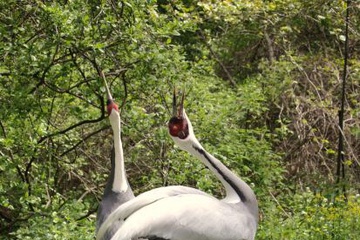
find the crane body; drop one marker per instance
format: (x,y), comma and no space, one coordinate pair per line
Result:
(184,213)
(180,213)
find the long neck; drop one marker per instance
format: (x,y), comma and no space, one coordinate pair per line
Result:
(118,180)
(236,189)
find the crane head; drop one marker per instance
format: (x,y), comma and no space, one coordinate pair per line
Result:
(179,124)
(110,105)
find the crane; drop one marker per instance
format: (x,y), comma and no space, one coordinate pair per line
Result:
(184,213)
(117,190)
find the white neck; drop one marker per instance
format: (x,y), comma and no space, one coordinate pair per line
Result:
(119,182)
(195,148)
(236,189)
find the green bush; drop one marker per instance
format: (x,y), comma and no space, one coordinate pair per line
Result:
(60,223)
(311,216)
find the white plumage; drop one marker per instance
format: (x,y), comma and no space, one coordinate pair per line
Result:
(184,213)
(188,216)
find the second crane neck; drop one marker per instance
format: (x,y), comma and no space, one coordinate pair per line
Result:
(119,181)
(236,189)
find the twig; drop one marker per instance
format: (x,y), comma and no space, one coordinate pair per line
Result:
(277,202)
(83,140)
(87,214)
(77,124)
(340,156)
(217,59)
(102,75)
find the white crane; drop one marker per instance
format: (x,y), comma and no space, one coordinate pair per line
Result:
(183,213)
(117,190)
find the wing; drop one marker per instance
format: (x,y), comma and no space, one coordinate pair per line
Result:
(189,217)
(127,209)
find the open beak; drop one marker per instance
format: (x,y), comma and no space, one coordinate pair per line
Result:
(178,124)
(178,112)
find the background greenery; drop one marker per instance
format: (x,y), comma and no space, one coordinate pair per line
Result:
(263,82)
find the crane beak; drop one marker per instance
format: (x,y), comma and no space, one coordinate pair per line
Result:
(178,124)
(110,102)
(178,112)
(108,93)
(174,113)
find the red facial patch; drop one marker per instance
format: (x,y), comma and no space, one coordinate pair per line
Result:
(174,129)
(110,106)
(178,128)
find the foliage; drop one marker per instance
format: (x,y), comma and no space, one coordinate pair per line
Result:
(312,216)
(291,49)
(58,224)
(262,82)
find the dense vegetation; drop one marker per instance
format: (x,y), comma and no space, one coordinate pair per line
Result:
(263,87)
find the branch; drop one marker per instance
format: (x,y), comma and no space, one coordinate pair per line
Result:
(29,165)
(217,59)
(102,75)
(269,46)
(61,91)
(83,140)
(77,124)
(52,62)
(6,228)
(87,214)
(6,213)
(340,154)
(125,90)
(11,154)
(3,128)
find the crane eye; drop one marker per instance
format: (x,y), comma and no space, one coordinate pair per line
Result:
(178,127)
